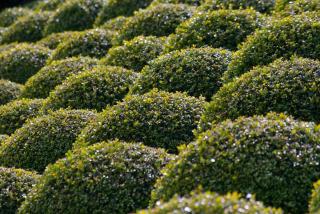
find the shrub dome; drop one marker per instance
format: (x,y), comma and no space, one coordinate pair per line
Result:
(44,139)
(281,38)
(53,74)
(136,53)
(113,177)
(14,185)
(296,7)
(114,24)
(218,28)
(9,15)
(314,206)
(22,61)
(197,71)
(9,91)
(14,114)
(274,157)
(158,119)
(283,86)
(92,89)
(52,41)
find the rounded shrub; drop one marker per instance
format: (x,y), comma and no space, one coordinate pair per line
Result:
(280,38)
(114,24)
(44,139)
(49,5)
(92,89)
(158,119)
(22,61)
(298,7)
(53,74)
(218,28)
(10,15)
(274,157)
(135,54)
(113,177)
(283,86)
(189,2)
(159,20)
(52,41)
(314,205)
(14,114)
(9,91)
(14,185)
(93,43)
(197,71)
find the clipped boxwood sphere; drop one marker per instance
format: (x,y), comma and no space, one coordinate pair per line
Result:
(159,20)
(92,89)
(22,61)
(10,15)
(52,41)
(136,53)
(93,43)
(314,206)
(53,74)
(9,91)
(115,8)
(44,139)
(218,28)
(14,185)
(14,114)
(281,38)
(114,24)
(197,71)
(274,157)
(109,177)
(283,86)
(157,118)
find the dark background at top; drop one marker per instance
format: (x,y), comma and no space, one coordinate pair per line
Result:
(12,3)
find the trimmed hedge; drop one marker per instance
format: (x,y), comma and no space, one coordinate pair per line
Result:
(93,43)
(197,71)
(280,38)
(92,89)
(10,15)
(157,118)
(9,91)
(44,139)
(52,41)
(159,20)
(314,205)
(113,177)
(221,28)
(135,54)
(14,185)
(22,61)
(283,86)
(274,157)
(53,74)
(14,114)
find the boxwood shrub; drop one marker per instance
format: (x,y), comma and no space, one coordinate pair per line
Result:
(218,28)
(298,7)
(159,20)
(9,91)
(189,2)
(280,38)
(197,71)
(44,139)
(52,41)
(49,5)
(53,74)
(93,43)
(314,206)
(114,24)
(92,89)
(9,15)
(14,114)
(22,61)
(136,53)
(157,118)
(290,86)
(274,157)
(14,185)
(112,177)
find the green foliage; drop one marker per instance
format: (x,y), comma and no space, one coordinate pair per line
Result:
(14,114)
(298,7)
(189,2)
(50,5)
(3,137)
(159,20)
(112,177)
(22,61)
(158,119)
(10,15)
(218,28)
(53,74)
(9,91)
(114,24)
(135,54)
(92,89)
(14,185)
(314,205)
(280,38)
(52,41)
(44,139)
(274,157)
(197,71)
(93,43)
